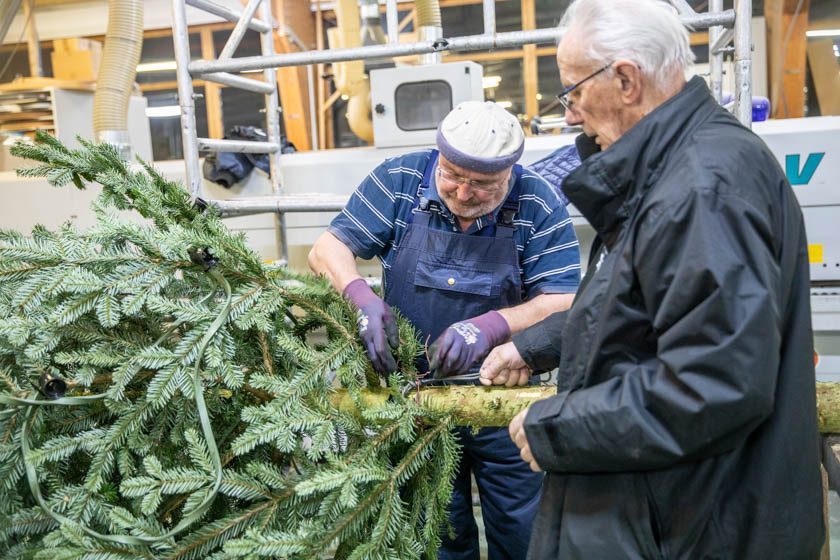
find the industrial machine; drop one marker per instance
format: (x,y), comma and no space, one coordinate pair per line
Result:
(408,102)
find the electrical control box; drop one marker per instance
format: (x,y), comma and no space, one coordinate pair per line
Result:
(408,102)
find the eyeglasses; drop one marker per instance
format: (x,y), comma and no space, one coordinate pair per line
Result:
(482,186)
(563,96)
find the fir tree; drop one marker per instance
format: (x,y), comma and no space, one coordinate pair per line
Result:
(197,418)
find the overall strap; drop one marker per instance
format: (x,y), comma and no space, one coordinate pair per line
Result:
(421,205)
(510,207)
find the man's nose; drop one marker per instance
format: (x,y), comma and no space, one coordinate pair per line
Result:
(573,118)
(463,192)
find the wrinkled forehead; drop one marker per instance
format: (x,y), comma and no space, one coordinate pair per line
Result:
(572,58)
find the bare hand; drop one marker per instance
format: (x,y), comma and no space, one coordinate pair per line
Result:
(504,366)
(517,434)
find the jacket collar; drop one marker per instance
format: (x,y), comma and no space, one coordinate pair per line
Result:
(607,184)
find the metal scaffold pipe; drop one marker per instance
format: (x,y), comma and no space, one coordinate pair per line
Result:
(715,56)
(239,82)
(743,62)
(510,39)
(227,13)
(272,127)
(239,30)
(391,17)
(280,204)
(489,17)
(189,135)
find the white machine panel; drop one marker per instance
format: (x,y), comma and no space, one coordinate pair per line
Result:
(809,152)
(408,102)
(823,230)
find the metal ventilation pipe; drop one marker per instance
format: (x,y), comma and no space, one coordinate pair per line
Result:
(429,26)
(123,43)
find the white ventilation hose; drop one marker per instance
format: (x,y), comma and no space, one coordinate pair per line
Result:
(121,54)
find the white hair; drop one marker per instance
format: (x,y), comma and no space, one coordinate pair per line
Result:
(648,32)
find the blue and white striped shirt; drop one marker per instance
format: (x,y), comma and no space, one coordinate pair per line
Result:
(376,217)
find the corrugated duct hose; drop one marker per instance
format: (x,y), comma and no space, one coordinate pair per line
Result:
(428,14)
(123,43)
(429,26)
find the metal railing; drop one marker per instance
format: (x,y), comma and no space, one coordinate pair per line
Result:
(223,69)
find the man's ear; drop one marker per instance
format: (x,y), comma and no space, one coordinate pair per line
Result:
(630,76)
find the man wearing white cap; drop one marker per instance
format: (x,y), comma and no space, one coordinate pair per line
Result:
(473,248)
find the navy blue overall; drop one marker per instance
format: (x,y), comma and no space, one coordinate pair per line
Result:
(441,277)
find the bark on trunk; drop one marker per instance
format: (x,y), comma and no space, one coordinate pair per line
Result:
(480,406)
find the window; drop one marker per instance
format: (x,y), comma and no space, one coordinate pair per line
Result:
(241,107)
(509,90)
(549,12)
(166,126)
(469,19)
(550,85)
(15,60)
(422,105)
(248,46)
(161,50)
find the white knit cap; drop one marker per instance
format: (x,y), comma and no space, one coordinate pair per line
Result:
(480,136)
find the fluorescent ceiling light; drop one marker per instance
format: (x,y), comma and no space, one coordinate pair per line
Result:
(488,82)
(165,111)
(504,104)
(823,33)
(165,66)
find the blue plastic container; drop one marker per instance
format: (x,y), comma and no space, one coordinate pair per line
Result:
(760,108)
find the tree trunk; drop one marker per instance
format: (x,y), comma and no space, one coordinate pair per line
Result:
(480,406)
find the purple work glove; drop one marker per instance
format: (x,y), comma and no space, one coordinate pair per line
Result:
(377,325)
(466,342)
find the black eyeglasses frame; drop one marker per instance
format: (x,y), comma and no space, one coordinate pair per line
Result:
(563,96)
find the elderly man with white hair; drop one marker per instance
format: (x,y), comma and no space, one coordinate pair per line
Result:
(684,425)
(473,247)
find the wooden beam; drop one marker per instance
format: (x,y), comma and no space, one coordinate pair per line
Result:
(173,85)
(292,81)
(826,74)
(786,47)
(212,91)
(484,56)
(699,38)
(409,18)
(530,76)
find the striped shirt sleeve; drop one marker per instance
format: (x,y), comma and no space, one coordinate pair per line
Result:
(550,260)
(366,225)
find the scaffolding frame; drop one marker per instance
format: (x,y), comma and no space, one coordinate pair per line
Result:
(725,27)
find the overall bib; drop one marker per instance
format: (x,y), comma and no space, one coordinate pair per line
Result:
(439,278)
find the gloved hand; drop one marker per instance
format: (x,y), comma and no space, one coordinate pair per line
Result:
(466,342)
(377,325)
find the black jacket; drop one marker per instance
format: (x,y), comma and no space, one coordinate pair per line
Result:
(685,420)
